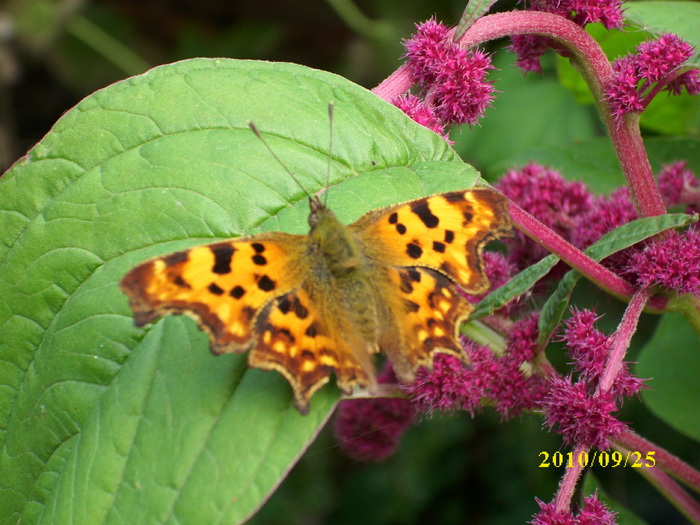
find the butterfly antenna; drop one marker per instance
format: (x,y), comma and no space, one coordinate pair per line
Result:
(330,150)
(274,155)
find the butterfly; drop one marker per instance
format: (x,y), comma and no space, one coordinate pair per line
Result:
(309,306)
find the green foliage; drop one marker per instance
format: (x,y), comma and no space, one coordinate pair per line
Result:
(105,422)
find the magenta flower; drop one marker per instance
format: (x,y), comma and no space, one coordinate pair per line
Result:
(581,418)
(553,200)
(454,79)
(589,350)
(549,515)
(593,512)
(678,185)
(655,62)
(450,385)
(672,261)
(370,429)
(420,112)
(604,215)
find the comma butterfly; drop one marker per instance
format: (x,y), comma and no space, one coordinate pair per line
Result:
(311,305)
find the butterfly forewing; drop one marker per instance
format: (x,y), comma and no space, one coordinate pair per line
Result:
(223,285)
(445,232)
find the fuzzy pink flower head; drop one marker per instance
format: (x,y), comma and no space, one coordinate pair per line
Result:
(672,261)
(420,112)
(587,345)
(426,51)
(450,385)
(455,79)
(595,512)
(690,80)
(582,419)
(607,12)
(552,199)
(589,349)
(622,93)
(656,61)
(657,58)
(370,429)
(548,515)
(511,389)
(678,185)
(604,215)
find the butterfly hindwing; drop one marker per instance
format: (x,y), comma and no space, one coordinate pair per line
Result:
(305,346)
(428,311)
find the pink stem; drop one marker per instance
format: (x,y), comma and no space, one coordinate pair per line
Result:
(678,468)
(571,255)
(621,339)
(567,485)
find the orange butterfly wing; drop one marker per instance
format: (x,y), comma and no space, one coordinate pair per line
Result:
(223,285)
(426,245)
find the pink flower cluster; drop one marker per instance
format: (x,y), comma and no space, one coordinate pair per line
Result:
(370,429)
(455,90)
(450,385)
(593,512)
(672,262)
(581,411)
(656,65)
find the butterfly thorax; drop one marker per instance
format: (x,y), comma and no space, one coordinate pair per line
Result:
(335,243)
(343,273)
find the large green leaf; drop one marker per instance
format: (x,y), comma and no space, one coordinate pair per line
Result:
(671,363)
(101,422)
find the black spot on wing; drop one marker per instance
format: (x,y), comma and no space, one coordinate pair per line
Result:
(439,246)
(222,258)
(181,282)
(237,292)
(422,211)
(411,306)
(215,289)
(259,260)
(406,286)
(413,250)
(284,305)
(312,330)
(414,275)
(394,219)
(449,236)
(266,284)
(453,196)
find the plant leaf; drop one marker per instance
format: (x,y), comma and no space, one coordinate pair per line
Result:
(98,417)
(517,286)
(671,364)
